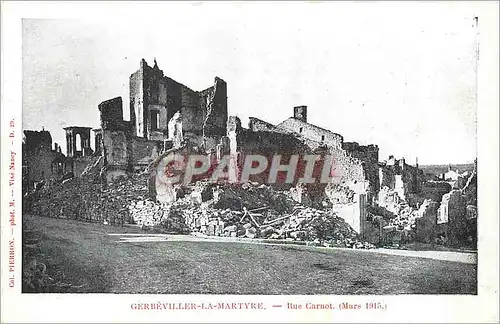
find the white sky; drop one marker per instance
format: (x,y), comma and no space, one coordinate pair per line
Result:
(399,75)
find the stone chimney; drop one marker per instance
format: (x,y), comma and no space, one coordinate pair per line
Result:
(300,113)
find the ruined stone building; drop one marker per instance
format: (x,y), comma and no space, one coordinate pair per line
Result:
(78,141)
(457,213)
(163,113)
(167,116)
(156,98)
(355,167)
(401,178)
(41,161)
(78,151)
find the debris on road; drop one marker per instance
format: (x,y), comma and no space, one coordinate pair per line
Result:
(229,216)
(249,210)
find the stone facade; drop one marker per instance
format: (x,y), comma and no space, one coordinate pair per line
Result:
(355,165)
(368,155)
(313,134)
(41,162)
(156,98)
(122,151)
(163,113)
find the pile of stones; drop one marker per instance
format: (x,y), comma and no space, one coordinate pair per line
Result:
(205,217)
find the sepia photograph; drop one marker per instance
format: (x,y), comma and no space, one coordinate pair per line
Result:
(223,149)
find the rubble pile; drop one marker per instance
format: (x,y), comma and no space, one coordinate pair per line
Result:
(406,217)
(229,212)
(398,218)
(84,198)
(401,228)
(338,194)
(313,225)
(65,200)
(404,223)
(164,217)
(390,200)
(249,210)
(253,195)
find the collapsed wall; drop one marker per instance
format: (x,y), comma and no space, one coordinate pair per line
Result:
(250,210)
(355,169)
(426,230)
(452,217)
(88,197)
(427,211)
(435,190)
